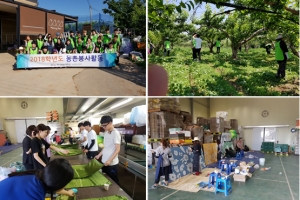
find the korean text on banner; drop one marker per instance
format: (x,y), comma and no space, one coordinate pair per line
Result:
(65,60)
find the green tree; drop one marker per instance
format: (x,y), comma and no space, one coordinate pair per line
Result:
(128,14)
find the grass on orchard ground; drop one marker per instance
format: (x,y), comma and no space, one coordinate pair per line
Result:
(252,74)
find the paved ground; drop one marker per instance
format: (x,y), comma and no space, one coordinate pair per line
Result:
(280,183)
(126,79)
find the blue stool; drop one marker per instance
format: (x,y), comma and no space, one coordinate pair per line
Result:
(212,179)
(225,165)
(220,163)
(238,156)
(223,185)
(232,167)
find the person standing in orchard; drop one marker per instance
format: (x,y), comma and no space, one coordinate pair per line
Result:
(218,45)
(167,46)
(281,55)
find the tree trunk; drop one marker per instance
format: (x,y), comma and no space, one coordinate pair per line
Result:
(234,52)
(211,48)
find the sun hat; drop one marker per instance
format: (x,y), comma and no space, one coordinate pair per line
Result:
(196,138)
(21,48)
(279,36)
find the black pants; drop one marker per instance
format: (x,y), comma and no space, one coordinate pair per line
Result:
(91,154)
(163,171)
(112,172)
(29,166)
(281,69)
(167,51)
(196,53)
(218,49)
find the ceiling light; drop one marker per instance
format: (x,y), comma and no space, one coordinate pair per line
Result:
(121,103)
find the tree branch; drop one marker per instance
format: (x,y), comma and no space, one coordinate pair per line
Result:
(252,36)
(291,10)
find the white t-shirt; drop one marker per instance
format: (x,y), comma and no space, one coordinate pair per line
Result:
(91,135)
(198,43)
(84,134)
(165,154)
(110,140)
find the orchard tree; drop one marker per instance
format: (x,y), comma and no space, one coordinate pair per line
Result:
(128,14)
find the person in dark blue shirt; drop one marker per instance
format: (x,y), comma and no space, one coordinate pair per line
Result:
(33,184)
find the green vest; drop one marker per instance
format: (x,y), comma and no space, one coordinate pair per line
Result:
(119,37)
(29,45)
(34,52)
(98,45)
(167,44)
(40,43)
(85,40)
(110,51)
(218,43)
(278,52)
(194,42)
(90,48)
(106,39)
(116,45)
(79,47)
(72,42)
(55,40)
(95,38)
(45,53)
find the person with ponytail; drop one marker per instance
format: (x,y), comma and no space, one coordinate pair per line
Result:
(34,184)
(164,168)
(39,147)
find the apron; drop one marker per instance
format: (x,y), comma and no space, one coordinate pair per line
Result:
(196,161)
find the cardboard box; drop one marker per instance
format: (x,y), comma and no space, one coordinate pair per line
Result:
(239,177)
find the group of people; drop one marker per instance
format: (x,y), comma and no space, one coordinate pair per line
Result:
(164,155)
(73,43)
(44,176)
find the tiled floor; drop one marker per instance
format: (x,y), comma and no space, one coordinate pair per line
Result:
(263,185)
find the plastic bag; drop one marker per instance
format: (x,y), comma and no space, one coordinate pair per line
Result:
(126,119)
(138,115)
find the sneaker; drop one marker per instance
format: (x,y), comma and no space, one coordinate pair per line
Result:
(153,187)
(164,184)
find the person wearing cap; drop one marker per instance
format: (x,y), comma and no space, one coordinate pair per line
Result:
(196,148)
(167,46)
(55,51)
(21,51)
(44,50)
(281,55)
(40,41)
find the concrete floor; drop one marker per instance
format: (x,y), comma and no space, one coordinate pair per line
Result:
(126,79)
(263,185)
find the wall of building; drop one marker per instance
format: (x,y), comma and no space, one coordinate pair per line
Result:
(37,107)
(282,111)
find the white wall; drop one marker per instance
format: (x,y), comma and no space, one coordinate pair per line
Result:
(201,108)
(37,107)
(282,111)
